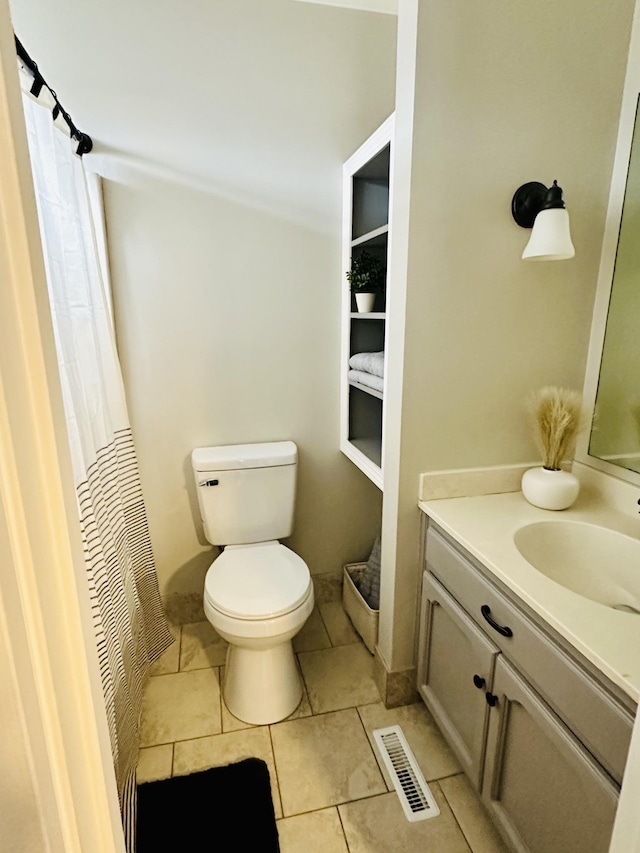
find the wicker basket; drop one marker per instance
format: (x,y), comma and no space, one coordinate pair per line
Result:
(365,620)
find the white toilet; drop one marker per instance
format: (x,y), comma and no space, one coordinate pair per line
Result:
(258,594)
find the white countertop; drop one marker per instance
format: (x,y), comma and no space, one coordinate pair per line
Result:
(485,525)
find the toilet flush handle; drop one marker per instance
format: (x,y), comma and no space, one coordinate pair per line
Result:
(210,483)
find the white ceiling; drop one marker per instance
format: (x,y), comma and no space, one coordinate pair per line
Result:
(255,99)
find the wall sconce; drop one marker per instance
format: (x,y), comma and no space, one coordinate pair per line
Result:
(541,208)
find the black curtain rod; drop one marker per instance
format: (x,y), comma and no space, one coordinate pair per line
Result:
(85,143)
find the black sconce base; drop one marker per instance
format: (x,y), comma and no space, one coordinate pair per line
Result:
(526,203)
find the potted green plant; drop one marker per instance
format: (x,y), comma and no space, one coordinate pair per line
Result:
(366,278)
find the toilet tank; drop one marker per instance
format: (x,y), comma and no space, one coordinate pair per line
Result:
(246,492)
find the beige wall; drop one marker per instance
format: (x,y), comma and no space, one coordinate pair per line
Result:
(228,316)
(504,94)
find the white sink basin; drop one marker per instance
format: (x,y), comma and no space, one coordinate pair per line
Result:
(595,562)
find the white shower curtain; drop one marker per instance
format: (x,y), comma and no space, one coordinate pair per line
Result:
(130,626)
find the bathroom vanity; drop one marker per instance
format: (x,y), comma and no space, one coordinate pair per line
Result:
(534,686)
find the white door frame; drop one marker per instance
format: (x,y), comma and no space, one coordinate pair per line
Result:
(54,730)
(60,792)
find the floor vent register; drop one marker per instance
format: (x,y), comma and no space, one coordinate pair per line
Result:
(415,796)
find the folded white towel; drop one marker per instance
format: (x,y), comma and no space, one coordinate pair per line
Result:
(368,379)
(369,362)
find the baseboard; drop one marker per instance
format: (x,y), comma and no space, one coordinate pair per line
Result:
(327,586)
(395,687)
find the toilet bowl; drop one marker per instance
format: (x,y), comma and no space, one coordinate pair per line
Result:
(257,597)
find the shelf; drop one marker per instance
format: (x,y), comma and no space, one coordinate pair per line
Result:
(367,390)
(376,234)
(370,447)
(366,453)
(371,315)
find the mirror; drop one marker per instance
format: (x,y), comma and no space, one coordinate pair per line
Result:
(611,442)
(615,430)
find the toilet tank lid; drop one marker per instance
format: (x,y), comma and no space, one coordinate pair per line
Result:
(232,456)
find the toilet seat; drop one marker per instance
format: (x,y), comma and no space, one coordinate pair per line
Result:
(257,581)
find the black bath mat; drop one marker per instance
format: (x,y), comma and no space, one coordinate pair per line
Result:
(232,802)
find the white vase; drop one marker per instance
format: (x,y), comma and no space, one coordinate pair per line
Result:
(365,302)
(549,489)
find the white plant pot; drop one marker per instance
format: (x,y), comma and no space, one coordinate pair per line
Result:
(365,302)
(550,489)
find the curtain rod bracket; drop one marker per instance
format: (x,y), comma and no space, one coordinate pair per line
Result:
(85,143)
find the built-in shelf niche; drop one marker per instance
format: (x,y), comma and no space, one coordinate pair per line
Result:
(371,195)
(366,229)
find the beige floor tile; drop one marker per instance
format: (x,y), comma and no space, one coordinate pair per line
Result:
(339,626)
(170,660)
(192,756)
(180,706)
(434,757)
(378,825)
(475,823)
(316,831)
(233,724)
(313,634)
(201,647)
(155,763)
(337,678)
(323,761)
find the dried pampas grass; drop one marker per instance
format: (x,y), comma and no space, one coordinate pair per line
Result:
(557,418)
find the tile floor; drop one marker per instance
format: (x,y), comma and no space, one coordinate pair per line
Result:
(329,791)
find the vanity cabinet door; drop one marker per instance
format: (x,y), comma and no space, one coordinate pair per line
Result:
(456,666)
(543,789)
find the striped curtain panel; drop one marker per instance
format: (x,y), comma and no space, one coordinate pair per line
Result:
(130,627)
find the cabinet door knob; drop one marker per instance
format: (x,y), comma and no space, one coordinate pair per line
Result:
(491,698)
(479,681)
(486,612)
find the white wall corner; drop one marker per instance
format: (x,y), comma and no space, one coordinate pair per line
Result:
(386,7)
(616,493)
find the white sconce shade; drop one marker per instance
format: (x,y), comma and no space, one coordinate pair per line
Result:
(550,239)
(541,208)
